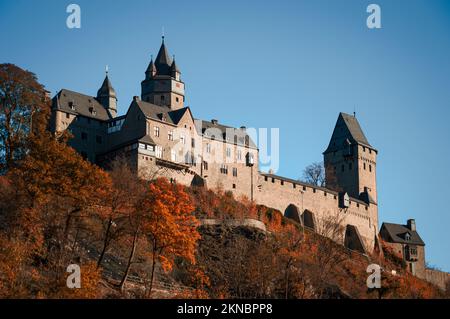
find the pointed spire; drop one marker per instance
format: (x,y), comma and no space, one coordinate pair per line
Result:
(163,60)
(174,67)
(151,69)
(106,90)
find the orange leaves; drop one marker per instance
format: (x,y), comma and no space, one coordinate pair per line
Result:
(169,222)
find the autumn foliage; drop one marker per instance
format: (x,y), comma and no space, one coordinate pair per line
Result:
(131,236)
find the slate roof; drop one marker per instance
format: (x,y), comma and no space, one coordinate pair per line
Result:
(347,128)
(161,113)
(106,89)
(224,129)
(396,234)
(84,105)
(163,60)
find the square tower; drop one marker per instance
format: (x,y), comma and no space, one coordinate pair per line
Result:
(162,85)
(350,161)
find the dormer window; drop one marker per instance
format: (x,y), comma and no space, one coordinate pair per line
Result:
(72,105)
(92,111)
(407,237)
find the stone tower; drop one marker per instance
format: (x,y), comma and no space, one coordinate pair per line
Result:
(106,96)
(162,84)
(350,161)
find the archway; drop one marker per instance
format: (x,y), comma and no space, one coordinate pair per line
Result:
(308,220)
(292,212)
(198,181)
(353,240)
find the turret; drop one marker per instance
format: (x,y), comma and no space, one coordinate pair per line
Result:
(350,161)
(162,84)
(106,96)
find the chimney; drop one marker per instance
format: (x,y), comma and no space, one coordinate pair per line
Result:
(411,223)
(214,121)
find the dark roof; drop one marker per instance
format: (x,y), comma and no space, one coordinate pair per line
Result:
(396,234)
(151,68)
(347,128)
(213,125)
(161,113)
(84,105)
(174,67)
(147,139)
(163,60)
(106,89)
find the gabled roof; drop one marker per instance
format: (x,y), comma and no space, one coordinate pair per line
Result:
(82,104)
(161,113)
(397,234)
(347,129)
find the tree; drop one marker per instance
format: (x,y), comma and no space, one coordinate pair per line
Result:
(170,225)
(121,200)
(163,218)
(314,174)
(21,96)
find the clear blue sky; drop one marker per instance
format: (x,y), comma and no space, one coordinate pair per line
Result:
(288,64)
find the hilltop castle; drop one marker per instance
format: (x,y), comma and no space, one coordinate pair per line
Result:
(159,136)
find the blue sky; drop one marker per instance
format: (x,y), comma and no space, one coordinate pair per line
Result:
(292,65)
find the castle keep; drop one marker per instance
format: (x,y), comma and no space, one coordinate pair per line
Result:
(159,136)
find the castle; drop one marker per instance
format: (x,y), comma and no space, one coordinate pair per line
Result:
(159,136)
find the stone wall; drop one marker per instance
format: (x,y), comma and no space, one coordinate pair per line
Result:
(437,277)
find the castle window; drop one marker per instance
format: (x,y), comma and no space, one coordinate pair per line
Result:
(234,186)
(208,148)
(314,190)
(234,171)
(182,139)
(193,142)
(304,188)
(84,136)
(67,116)
(364,165)
(273,180)
(265,178)
(173,156)
(170,135)
(282,182)
(224,169)
(294,185)
(364,148)
(205,166)
(370,168)
(325,194)
(177,99)
(98,139)
(239,155)
(158,151)
(162,97)
(370,151)
(156,131)
(228,152)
